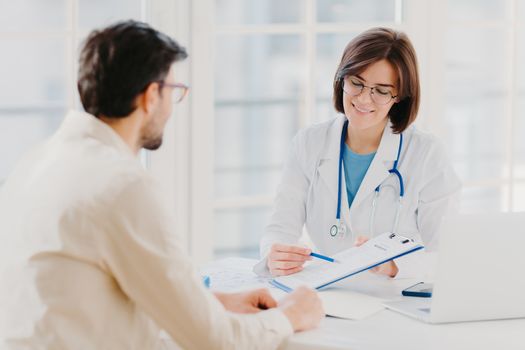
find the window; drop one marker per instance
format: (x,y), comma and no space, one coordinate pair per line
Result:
(40,46)
(483,99)
(40,42)
(274,65)
(260,70)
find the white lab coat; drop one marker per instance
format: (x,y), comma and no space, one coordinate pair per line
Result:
(307,195)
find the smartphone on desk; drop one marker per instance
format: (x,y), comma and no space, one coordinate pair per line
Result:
(421,289)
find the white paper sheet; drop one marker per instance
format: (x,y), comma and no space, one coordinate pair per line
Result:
(351,305)
(235,274)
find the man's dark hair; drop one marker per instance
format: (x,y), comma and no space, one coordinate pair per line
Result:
(119,62)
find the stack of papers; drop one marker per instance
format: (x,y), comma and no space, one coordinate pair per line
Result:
(347,304)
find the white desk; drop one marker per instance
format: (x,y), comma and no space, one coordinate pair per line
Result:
(390,330)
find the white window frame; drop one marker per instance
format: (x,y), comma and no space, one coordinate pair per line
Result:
(184,164)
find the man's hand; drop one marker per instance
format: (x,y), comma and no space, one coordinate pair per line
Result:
(303,308)
(247,302)
(389,268)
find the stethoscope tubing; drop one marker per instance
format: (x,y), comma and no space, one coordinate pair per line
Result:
(394,171)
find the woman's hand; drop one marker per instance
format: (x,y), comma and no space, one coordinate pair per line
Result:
(286,259)
(389,268)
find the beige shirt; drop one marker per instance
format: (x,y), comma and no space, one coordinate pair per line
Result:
(89,257)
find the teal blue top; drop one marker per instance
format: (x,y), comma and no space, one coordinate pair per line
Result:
(355,166)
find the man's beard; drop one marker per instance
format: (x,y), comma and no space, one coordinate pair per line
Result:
(150,139)
(152,144)
(151,136)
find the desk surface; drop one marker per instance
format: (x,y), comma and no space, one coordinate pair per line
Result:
(388,329)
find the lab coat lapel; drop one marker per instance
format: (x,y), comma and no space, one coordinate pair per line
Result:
(378,170)
(329,158)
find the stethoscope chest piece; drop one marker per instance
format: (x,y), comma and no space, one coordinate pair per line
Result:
(334,230)
(338,229)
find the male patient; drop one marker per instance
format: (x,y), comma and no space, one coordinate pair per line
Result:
(90,257)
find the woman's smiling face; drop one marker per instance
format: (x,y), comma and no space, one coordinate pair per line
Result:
(361,110)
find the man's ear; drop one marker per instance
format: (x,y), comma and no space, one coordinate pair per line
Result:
(149,98)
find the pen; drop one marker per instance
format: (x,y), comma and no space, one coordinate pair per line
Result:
(319,256)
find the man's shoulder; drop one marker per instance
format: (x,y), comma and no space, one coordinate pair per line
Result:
(87,170)
(114,172)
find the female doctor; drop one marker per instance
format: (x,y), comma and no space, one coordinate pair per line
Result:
(366,172)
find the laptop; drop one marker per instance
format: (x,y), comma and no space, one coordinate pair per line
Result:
(480,275)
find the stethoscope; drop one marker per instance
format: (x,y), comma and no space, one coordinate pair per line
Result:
(339,228)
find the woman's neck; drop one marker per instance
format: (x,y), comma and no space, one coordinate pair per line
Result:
(365,141)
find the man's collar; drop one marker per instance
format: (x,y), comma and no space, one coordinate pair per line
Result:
(86,124)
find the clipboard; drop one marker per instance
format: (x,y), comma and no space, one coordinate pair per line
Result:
(376,251)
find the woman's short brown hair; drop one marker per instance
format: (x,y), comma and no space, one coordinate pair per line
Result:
(375,45)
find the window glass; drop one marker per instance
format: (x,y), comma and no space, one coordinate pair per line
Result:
(239,231)
(520,12)
(471,10)
(258,11)
(22,130)
(475,102)
(258,67)
(99,13)
(33,95)
(330,47)
(251,145)
(33,15)
(33,73)
(257,89)
(351,11)
(519,113)
(37,65)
